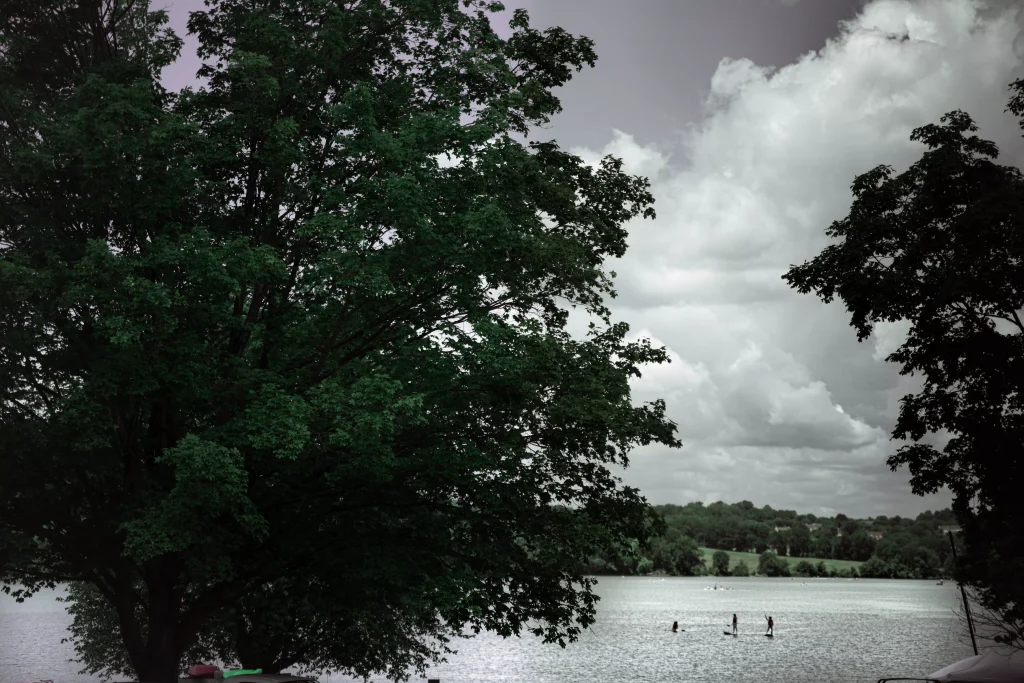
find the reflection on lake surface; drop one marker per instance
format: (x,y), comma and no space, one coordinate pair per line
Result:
(827,631)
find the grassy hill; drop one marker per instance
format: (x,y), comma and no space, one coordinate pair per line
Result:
(752,558)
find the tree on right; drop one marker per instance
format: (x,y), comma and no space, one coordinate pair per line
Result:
(940,247)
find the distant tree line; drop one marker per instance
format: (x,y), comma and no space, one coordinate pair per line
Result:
(887,547)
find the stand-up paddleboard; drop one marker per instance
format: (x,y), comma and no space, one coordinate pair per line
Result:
(729,633)
(769,635)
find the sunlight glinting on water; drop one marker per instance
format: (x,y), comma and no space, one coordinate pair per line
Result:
(827,631)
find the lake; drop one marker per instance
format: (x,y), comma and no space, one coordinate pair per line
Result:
(827,631)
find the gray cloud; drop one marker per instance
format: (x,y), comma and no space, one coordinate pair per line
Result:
(656,57)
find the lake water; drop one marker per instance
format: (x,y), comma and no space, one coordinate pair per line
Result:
(827,631)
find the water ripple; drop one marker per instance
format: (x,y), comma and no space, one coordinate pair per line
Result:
(826,632)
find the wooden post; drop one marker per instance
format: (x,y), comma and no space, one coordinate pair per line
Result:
(963,594)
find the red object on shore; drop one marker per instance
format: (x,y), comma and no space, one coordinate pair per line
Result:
(202,670)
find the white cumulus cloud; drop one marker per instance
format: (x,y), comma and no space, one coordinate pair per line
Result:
(775,399)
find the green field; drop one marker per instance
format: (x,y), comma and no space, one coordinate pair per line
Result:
(752,558)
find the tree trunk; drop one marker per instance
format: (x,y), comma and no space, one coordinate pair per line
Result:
(164,645)
(157,657)
(155,648)
(161,665)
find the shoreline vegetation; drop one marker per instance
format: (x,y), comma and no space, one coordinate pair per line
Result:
(835,568)
(740,539)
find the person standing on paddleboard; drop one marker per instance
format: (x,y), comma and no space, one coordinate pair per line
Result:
(675,627)
(735,626)
(771,625)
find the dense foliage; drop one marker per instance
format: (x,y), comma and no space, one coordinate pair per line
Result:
(941,246)
(269,369)
(907,548)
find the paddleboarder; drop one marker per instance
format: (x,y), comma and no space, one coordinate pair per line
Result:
(771,625)
(675,627)
(735,627)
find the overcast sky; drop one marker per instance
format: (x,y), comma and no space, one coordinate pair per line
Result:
(752,117)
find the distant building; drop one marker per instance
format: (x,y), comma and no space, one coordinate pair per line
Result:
(782,528)
(955,528)
(877,535)
(813,527)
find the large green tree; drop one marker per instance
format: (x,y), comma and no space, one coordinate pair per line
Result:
(800,540)
(770,564)
(941,246)
(779,542)
(676,554)
(720,563)
(257,330)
